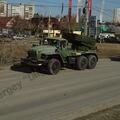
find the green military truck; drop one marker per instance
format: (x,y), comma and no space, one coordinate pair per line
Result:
(56,53)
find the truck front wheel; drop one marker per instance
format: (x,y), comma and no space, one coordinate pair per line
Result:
(82,63)
(92,61)
(54,66)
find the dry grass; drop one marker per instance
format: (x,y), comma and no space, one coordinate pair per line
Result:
(106,50)
(107,114)
(12,52)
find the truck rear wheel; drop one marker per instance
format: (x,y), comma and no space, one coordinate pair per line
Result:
(92,61)
(82,63)
(54,66)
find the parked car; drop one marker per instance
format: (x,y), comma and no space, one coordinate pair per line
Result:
(18,37)
(103,37)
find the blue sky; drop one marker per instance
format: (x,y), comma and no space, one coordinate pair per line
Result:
(108,13)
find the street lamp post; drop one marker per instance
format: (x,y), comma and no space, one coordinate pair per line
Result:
(86,18)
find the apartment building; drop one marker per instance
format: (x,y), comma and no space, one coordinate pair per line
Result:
(116,18)
(3,8)
(25,11)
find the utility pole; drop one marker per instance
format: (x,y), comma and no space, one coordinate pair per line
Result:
(49,25)
(86,18)
(102,11)
(78,13)
(69,14)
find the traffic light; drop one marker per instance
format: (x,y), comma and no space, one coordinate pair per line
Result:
(84,10)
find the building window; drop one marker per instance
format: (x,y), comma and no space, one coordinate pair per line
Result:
(26,15)
(1,7)
(15,14)
(30,8)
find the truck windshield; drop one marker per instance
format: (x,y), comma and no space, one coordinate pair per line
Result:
(52,42)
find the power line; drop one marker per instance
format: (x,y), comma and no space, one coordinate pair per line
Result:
(47,5)
(105,10)
(43,5)
(46,2)
(108,15)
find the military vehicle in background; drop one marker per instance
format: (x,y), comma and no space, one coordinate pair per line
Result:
(55,53)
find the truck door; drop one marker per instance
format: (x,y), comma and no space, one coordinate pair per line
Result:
(63,50)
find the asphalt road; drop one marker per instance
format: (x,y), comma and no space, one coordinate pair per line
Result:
(68,95)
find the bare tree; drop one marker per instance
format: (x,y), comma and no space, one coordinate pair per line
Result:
(20,25)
